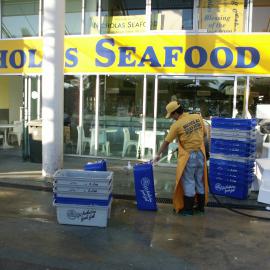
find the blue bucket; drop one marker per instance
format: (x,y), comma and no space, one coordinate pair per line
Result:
(144,186)
(96,166)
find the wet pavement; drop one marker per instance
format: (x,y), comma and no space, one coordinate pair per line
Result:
(31,237)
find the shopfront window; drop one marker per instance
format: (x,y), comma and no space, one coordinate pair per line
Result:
(172,15)
(71,113)
(123,16)
(259,93)
(121,99)
(222,16)
(91,17)
(261,16)
(19,18)
(89,111)
(73,17)
(209,96)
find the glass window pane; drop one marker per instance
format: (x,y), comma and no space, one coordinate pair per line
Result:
(71,113)
(19,18)
(172,15)
(89,110)
(259,93)
(222,16)
(91,17)
(123,16)
(207,96)
(261,16)
(73,17)
(121,99)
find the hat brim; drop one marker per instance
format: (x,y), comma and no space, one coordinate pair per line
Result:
(168,115)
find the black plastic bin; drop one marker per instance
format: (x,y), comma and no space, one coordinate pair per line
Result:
(35,140)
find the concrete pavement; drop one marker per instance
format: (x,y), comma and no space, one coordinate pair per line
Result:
(32,239)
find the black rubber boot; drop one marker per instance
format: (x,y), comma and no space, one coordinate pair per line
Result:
(199,209)
(188,206)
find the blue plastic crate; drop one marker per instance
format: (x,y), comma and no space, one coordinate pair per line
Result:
(96,166)
(229,189)
(241,164)
(144,186)
(80,201)
(232,152)
(230,170)
(233,123)
(234,173)
(231,178)
(248,144)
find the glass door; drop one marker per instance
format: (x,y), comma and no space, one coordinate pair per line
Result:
(120,115)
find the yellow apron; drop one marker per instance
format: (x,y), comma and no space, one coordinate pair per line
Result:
(178,196)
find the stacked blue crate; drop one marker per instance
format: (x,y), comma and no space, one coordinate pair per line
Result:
(232,156)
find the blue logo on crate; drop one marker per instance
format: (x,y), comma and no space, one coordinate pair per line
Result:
(225,189)
(145,191)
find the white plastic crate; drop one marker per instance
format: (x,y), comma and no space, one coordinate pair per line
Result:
(85,183)
(81,175)
(85,215)
(81,189)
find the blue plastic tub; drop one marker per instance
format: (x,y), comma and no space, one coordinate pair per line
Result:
(249,144)
(229,189)
(233,152)
(243,164)
(233,123)
(79,201)
(231,178)
(96,166)
(144,186)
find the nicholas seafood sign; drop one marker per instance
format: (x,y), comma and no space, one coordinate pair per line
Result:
(246,54)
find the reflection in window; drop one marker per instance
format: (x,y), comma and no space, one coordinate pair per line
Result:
(210,97)
(222,16)
(73,17)
(123,16)
(261,16)
(71,112)
(91,17)
(19,18)
(172,15)
(121,99)
(259,93)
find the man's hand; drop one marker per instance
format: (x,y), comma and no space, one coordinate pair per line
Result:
(157,158)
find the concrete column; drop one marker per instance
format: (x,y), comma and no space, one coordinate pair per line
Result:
(53,86)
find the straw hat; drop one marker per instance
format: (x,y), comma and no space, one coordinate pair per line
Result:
(171,107)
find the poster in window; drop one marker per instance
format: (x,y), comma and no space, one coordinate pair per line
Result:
(222,15)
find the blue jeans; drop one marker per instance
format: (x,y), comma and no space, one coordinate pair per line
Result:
(192,177)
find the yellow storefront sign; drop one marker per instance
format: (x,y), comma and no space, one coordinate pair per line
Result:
(246,54)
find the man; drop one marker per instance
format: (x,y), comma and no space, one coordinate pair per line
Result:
(191,172)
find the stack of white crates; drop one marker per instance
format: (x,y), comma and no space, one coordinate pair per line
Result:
(83,197)
(232,156)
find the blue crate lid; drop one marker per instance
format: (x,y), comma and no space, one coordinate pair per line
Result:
(233,123)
